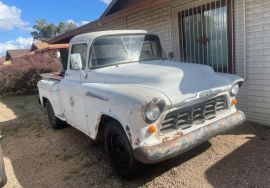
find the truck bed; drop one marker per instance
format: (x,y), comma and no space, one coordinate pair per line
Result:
(52,76)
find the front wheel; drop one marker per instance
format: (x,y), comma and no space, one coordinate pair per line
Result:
(120,151)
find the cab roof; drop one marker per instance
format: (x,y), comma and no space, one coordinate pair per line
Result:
(89,37)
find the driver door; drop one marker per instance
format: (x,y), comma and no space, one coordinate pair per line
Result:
(72,93)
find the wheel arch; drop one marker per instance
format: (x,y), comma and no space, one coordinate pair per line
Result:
(44,101)
(103,119)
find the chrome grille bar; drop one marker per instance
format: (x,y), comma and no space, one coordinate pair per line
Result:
(195,114)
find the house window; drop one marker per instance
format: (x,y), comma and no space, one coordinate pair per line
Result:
(206,35)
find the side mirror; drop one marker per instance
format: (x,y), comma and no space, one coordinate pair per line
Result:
(76,61)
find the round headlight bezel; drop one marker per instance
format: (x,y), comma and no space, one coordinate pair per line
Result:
(154,108)
(234,89)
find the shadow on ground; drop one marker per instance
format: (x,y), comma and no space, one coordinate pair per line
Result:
(42,157)
(246,166)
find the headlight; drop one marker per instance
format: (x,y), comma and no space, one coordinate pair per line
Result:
(152,113)
(152,110)
(234,89)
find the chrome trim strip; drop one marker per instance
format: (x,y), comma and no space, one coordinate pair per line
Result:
(93,95)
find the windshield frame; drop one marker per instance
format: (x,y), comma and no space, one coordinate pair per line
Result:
(163,56)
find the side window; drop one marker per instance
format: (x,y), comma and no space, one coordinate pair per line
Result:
(81,49)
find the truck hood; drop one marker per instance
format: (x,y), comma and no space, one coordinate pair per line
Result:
(177,81)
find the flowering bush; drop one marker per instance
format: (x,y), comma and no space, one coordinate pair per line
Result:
(23,73)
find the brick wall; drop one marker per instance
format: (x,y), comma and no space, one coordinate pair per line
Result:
(252,56)
(156,20)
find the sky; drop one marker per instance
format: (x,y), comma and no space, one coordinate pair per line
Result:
(18,16)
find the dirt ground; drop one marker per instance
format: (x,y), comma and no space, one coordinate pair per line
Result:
(35,155)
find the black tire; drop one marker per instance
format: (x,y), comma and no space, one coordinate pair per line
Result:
(120,151)
(55,122)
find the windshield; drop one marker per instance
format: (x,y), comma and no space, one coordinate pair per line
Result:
(111,50)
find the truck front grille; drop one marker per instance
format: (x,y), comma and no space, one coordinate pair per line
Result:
(193,115)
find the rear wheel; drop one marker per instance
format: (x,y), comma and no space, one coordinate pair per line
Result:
(120,150)
(55,122)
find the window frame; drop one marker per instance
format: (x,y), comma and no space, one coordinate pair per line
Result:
(93,42)
(211,6)
(80,43)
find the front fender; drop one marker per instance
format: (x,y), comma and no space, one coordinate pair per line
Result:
(123,103)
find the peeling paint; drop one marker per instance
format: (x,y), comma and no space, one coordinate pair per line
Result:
(177,146)
(165,139)
(137,142)
(178,135)
(72,101)
(129,134)
(97,124)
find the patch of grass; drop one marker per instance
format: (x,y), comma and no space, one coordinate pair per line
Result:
(66,156)
(74,171)
(20,106)
(40,134)
(34,125)
(70,174)
(10,131)
(82,174)
(58,155)
(144,186)
(28,115)
(83,155)
(88,164)
(38,130)
(67,177)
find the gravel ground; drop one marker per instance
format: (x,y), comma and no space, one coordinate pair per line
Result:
(35,155)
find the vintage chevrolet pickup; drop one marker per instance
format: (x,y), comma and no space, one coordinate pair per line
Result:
(119,86)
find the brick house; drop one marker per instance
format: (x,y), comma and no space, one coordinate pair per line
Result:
(230,35)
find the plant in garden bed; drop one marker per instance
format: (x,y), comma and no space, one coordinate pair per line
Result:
(24,72)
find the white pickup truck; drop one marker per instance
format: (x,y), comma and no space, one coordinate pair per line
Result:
(119,86)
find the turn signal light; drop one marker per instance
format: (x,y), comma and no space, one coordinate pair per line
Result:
(151,129)
(234,102)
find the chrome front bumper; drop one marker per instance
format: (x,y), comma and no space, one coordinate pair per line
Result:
(161,152)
